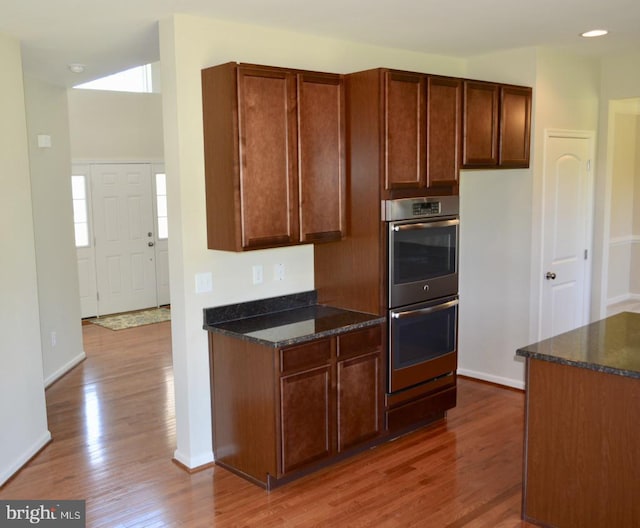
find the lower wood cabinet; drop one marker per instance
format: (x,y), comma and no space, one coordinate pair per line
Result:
(278,413)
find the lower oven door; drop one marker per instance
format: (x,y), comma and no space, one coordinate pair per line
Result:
(422,342)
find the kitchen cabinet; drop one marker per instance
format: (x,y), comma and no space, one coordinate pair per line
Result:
(444,115)
(496,125)
(515,126)
(281,412)
(418,116)
(404,130)
(422,132)
(274,156)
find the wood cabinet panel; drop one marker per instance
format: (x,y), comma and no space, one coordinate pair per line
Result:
(444,115)
(305,356)
(267,129)
(581,447)
(360,342)
(515,126)
(480,124)
(322,172)
(405,110)
(306,416)
(359,400)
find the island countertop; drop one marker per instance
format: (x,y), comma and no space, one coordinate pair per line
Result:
(284,321)
(611,345)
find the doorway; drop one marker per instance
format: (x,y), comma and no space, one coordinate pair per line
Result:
(567,231)
(122,253)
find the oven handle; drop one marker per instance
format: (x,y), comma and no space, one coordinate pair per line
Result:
(423,225)
(430,309)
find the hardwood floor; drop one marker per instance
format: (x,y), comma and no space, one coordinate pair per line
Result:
(112,420)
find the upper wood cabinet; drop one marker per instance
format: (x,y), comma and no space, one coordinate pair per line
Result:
(444,114)
(496,125)
(515,126)
(405,110)
(419,116)
(274,156)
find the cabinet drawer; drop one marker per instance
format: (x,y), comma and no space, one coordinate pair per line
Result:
(360,341)
(304,356)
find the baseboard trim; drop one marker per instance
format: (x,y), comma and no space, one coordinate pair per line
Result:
(52,378)
(191,471)
(194,464)
(625,297)
(24,459)
(497,380)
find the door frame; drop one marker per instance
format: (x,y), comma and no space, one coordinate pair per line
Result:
(537,270)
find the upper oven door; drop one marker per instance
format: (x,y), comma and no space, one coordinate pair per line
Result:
(423,259)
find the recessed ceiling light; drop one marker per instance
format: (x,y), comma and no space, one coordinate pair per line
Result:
(594,33)
(76,68)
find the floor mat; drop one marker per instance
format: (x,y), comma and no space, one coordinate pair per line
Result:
(132,319)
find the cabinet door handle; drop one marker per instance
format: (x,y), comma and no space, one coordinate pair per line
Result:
(423,311)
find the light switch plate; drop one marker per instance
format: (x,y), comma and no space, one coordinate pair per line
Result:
(204,282)
(257,272)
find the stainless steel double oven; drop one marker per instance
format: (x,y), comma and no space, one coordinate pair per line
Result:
(422,246)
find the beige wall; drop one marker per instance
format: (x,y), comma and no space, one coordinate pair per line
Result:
(624,235)
(115,126)
(620,80)
(53,223)
(22,403)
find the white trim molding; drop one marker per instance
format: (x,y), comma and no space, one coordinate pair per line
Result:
(499,380)
(27,455)
(55,376)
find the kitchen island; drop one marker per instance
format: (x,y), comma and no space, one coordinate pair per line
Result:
(582,437)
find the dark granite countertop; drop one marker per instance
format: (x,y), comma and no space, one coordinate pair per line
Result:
(611,345)
(284,321)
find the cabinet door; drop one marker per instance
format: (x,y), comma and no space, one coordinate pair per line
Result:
(359,392)
(268,157)
(515,126)
(321,129)
(405,124)
(305,417)
(444,109)
(480,124)
(360,378)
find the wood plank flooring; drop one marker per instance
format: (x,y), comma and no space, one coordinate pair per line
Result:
(112,420)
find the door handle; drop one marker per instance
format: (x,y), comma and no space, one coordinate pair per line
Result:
(550,275)
(150,244)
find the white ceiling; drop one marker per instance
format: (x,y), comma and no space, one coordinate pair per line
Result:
(112,35)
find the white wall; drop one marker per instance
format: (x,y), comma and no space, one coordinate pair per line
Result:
(22,403)
(58,292)
(188,44)
(115,126)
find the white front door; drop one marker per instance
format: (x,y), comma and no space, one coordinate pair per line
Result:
(567,227)
(124,231)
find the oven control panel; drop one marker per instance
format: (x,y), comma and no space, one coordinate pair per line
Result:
(410,208)
(425,208)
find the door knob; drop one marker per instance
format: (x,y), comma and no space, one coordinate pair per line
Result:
(150,244)
(550,275)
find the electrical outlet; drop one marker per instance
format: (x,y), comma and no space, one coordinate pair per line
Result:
(257,274)
(54,339)
(278,272)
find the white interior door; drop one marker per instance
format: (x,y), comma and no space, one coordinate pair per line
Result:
(124,232)
(567,233)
